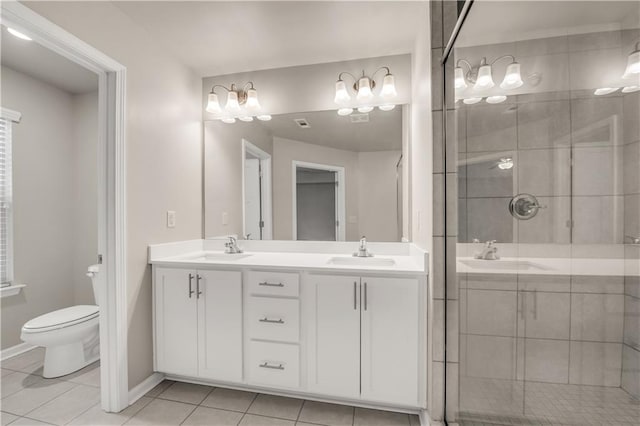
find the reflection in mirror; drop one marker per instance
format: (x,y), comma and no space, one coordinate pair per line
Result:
(306,176)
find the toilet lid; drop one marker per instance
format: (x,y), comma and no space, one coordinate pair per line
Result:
(62,318)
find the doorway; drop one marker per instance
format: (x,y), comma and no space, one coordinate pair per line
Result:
(318,202)
(111,192)
(256,193)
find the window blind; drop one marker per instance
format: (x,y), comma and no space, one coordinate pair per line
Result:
(6,267)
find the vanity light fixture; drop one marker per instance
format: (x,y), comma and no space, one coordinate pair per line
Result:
(496,99)
(605,91)
(18,34)
(481,76)
(242,104)
(366,99)
(471,101)
(633,62)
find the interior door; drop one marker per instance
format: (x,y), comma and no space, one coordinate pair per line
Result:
(219,296)
(390,339)
(334,335)
(176,321)
(252,198)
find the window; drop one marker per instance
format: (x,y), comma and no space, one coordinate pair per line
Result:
(6,208)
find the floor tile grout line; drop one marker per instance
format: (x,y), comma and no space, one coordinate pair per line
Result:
(44,403)
(304,401)
(255,396)
(97,403)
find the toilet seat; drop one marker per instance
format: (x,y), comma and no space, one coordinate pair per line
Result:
(61,318)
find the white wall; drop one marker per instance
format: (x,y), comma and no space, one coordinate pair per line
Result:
(311,87)
(421,151)
(223,172)
(85,201)
(54,199)
(164,150)
(377,193)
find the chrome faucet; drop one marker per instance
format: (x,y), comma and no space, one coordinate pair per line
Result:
(362,250)
(231,247)
(489,252)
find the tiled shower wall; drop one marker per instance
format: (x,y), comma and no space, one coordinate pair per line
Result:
(443,19)
(631,346)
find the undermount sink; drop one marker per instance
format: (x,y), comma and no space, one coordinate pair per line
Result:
(218,257)
(510,265)
(368,261)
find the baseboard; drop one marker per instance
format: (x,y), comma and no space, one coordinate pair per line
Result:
(15,350)
(145,386)
(425,419)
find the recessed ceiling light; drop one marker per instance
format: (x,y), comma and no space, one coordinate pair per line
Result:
(18,34)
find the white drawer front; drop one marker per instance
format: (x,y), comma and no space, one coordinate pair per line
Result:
(274,319)
(273,283)
(274,364)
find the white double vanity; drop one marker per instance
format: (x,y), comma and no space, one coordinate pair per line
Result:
(303,319)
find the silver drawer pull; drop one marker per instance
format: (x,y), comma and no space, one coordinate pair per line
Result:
(273,367)
(271,284)
(270,321)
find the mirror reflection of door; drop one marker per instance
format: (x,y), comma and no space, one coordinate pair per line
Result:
(257,193)
(317,204)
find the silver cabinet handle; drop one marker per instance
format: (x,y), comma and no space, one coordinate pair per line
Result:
(190,285)
(535,304)
(273,367)
(199,292)
(365,296)
(271,284)
(270,321)
(355,300)
(522,305)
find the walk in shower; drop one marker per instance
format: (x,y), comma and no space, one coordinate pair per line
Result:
(542,139)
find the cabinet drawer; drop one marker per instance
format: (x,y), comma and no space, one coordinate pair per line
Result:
(273,283)
(274,319)
(274,364)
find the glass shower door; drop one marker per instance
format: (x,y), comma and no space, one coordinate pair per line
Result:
(548,169)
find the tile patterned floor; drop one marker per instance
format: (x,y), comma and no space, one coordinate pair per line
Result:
(504,402)
(28,399)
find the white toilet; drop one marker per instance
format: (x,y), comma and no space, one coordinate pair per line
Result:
(70,335)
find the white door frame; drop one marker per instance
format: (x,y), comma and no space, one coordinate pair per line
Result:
(340,196)
(111,191)
(267,194)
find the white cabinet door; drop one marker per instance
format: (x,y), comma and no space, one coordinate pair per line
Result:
(176,321)
(334,335)
(390,325)
(220,325)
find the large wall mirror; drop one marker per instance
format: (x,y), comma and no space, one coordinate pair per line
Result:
(306,176)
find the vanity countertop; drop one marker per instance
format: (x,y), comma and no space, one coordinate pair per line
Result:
(548,266)
(405,259)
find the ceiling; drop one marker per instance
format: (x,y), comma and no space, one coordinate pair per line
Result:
(491,21)
(215,38)
(32,59)
(383,132)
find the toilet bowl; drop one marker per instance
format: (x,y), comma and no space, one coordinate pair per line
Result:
(70,335)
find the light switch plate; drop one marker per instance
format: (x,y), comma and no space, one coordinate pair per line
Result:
(225,218)
(171,219)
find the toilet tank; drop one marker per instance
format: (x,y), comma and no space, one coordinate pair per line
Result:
(92,272)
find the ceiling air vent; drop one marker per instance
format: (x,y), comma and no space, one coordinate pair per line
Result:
(302,123)
(359,118)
